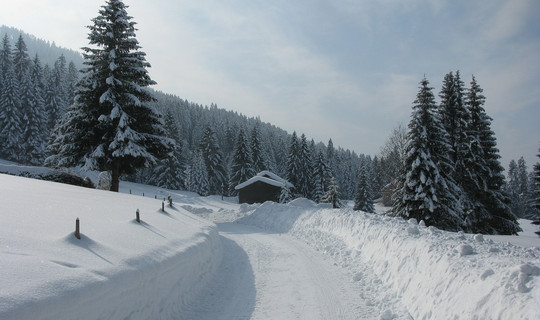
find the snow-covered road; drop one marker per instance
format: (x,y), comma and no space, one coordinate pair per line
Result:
(273,276)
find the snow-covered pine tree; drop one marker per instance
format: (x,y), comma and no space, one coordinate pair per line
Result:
(520,187)
(241,163)
(426,192)
(293,161)
(213,159)
(333,195)
(197,176)
(10,111)
(483,179)
(363,199)
(285,196)
(257,155)
(321,177)
(112,126)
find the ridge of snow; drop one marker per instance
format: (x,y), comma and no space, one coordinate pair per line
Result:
(436,274)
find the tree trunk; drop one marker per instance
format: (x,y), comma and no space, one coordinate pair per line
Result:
(115,176)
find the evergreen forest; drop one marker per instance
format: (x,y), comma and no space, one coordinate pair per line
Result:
(97,111)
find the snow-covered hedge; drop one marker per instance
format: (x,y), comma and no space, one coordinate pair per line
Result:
(436,274)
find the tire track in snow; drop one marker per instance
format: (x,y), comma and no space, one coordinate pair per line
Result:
(273,276)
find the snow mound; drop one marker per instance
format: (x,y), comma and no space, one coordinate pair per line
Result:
(119,269)
(434,273)
(303,203)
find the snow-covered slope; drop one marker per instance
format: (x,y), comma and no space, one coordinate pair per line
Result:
(435,274)
(159,268)
(118,269)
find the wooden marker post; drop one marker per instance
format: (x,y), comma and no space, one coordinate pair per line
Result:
(77,229)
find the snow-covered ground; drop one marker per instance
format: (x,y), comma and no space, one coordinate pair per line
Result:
(208,258)
(119,269)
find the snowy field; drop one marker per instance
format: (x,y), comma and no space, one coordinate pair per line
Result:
(208,258)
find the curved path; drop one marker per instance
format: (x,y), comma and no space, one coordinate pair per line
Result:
(272,276)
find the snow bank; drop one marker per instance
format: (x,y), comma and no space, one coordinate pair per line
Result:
(119,268)
(436,274)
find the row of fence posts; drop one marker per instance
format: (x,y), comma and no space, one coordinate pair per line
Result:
(137,216)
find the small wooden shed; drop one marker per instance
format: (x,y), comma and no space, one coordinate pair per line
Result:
(265,186)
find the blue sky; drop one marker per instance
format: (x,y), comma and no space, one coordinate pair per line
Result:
(346,70)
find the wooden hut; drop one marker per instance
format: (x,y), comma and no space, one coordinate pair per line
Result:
(265,186)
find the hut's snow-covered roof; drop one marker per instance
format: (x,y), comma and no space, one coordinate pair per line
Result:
(266,177)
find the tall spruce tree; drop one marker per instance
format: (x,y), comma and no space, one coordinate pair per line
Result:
(293,162)
(426,192)
(34,132)
(454,116)
(241,163)
(112,126)
(197,176)
(483,180)
(536,176)
(305,172)
(257,151)
(363,199)
(11,126)
(170,172)
(72,77)
(213,159)
(321,177)
(5,59)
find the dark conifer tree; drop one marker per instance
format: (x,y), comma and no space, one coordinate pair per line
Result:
(35,131)
(489,212)
(537,182)
(257,150)
(5,60)
(213,159)
(321,177)
(331,157)
(56,102)
(293,162)
(454,116)
(170,172)
(72,77)
(197,176)
(363,199)
(10,107)
(112,126)
(241,163)
(305,172)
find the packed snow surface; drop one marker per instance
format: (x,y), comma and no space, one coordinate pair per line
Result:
(435,274)
(211,258)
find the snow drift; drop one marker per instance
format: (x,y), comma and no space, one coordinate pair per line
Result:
(118,269)
(436,274)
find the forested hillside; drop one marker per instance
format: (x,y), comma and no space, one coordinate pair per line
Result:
(51,75)
(215,149)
